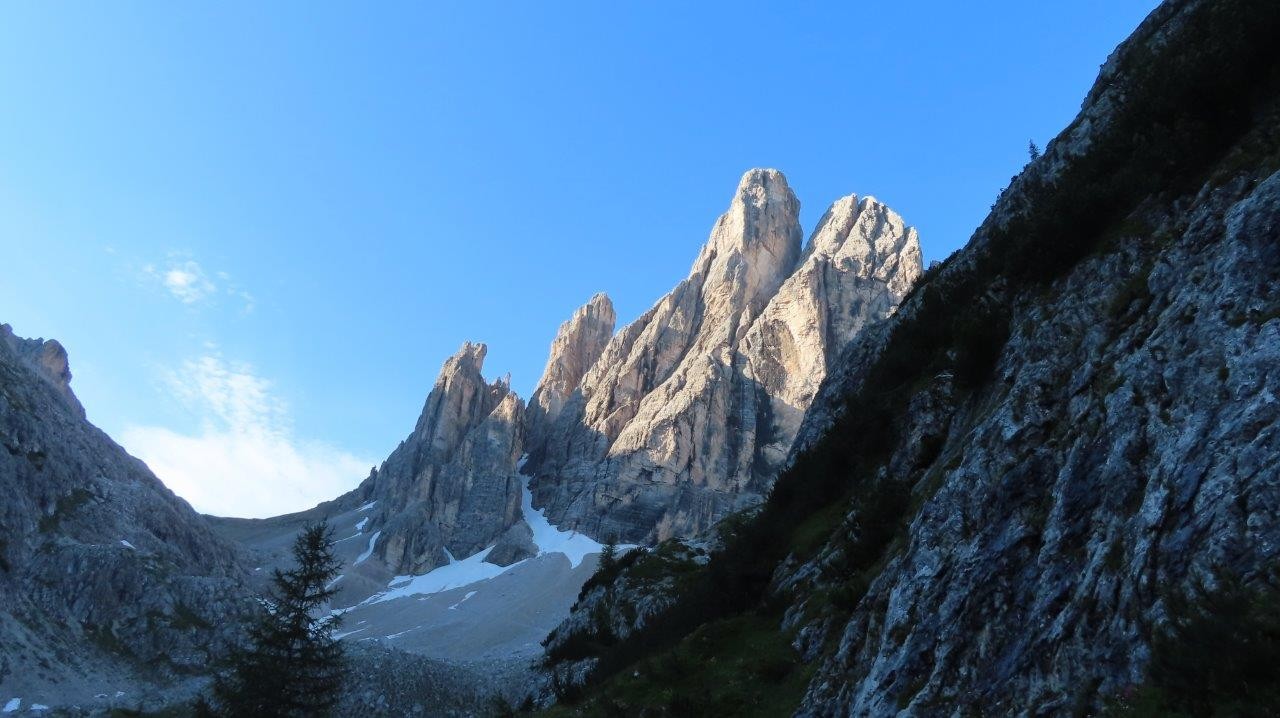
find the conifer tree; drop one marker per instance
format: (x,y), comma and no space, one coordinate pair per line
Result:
(609,557)
(292,664)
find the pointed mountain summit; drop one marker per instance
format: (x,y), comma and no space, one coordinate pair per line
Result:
(661,429)
(575,349)
(450,488)
(689,410)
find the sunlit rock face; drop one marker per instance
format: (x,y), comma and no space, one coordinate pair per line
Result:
(577,346)
(452,484)
(689,410)
(663,428)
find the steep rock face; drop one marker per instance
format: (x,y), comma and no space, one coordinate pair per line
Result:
(859,263)
(577,346)
(998,494)
(103,571)
(1129,445)
(451,487)
(1125,448)
(689,409)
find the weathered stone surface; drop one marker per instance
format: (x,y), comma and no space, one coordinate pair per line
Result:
(452,484)
(514,545)
(690,409)
(105,575)
(1127,447)
(860,262)
(575,349)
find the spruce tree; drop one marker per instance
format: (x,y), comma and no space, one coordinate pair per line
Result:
(609,557)
(292,664)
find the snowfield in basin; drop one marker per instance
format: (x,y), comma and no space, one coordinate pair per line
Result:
(473,569)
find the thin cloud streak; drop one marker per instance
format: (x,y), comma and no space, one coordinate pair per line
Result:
(244,460)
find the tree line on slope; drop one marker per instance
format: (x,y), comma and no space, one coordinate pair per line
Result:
(1187,102)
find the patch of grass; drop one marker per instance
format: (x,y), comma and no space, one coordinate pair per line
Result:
(1131,297)
(814,531)
(743,666)
(66,506)
(1219,654)
(106,640)
(183,618)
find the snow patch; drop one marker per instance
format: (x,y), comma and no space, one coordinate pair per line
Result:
(127,545)
(367,506)
(454,607)
(373,540)
(334,582)
(13,705)
(460,573)
(548,538)
(360,526)
(38,707)
(455,574)
(340,636)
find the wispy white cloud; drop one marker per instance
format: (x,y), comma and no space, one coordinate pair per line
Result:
(244,460)
(185,280)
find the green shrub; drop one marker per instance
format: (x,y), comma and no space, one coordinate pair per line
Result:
(1221,651)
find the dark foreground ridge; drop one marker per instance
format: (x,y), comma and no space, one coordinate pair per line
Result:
(1057,461)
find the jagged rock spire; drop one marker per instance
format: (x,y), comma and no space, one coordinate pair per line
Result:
(575,349)
(689,409)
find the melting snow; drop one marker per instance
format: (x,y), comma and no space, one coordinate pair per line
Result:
(360,526)
(454,574)
(454,607)
(339,636)
(126,544)
(334,582)
(369,551)
(13,705)
(367,506)
(39,707)
(549,539)
(473,569)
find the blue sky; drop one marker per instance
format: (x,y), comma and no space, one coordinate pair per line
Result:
(260,228)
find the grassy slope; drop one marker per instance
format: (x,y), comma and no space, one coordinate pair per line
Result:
(1199,108)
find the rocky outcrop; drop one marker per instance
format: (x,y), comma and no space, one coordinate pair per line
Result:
(663,428)
(575,349)
(451,487)
(860,262)
(1064,440)
(1128,445)
(689,410)
(106,577)
(1124,449)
